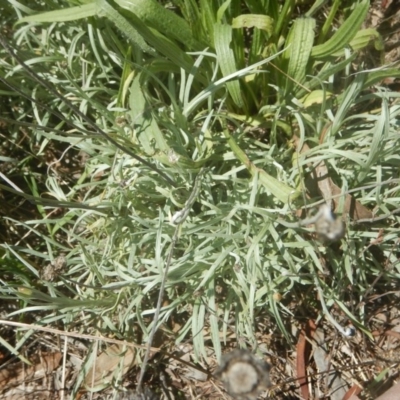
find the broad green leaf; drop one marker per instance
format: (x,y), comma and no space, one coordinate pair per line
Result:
(263,22)
(300,45)
(362,39)
(226,59)
(156,16)
(66,14)
(104,9)
(96,8)
(344,34)
(157,40)
(315,97)
(149,12)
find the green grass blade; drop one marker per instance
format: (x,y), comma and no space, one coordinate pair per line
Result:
(380,133)
(328,70)
(263,22)
(326,28)
(214,86)
(280,190)
(374,77)
(346,100)
(284,17)
(13,350)
(214,319)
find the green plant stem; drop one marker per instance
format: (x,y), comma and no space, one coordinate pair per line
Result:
(283,17)
(328,23)
(179,220)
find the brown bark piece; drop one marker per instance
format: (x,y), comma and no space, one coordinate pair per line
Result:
(352,393)
(352,207)
(301,350)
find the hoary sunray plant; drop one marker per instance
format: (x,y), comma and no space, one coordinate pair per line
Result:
(124,102)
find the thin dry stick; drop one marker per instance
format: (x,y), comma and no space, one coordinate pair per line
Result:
(64,368)
(178,219)
(74,334)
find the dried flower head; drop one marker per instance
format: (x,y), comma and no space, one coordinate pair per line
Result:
(243,375)
(327,226)
(55,268)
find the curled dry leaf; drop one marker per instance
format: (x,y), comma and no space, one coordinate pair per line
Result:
(243,375)
(319,183)
(352,393)
(16,374)
(114,362)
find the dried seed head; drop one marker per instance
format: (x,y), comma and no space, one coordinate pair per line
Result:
(243,375)
(55,268)
(327,226)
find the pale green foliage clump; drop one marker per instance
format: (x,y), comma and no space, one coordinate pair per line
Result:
(217,85)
